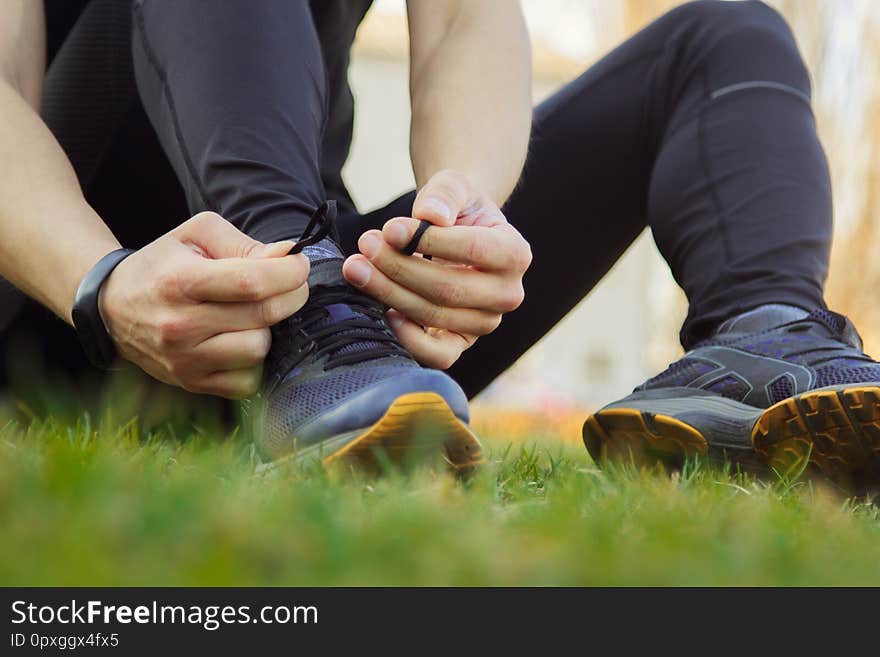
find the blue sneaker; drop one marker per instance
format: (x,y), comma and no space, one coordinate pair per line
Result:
(339,387)
(775,386)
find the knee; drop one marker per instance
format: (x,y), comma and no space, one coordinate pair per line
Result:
(723,15)
(741,40)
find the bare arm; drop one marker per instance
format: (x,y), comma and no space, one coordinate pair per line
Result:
(470,85)
(192,308)
(49,236)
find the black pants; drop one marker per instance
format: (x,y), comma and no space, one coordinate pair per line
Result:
(699,127)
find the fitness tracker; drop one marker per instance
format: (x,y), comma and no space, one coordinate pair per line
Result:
(86,317)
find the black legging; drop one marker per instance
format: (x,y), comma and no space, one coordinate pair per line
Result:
(699,126)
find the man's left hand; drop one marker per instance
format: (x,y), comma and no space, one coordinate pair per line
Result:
(440,307)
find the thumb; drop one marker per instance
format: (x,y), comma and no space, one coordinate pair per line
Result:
(214,237)
(273,249)
(442,198)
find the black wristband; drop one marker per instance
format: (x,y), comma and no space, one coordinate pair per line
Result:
(86,317)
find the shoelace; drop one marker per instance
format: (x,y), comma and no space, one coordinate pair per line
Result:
(324,220)
(308,339)
(302,334)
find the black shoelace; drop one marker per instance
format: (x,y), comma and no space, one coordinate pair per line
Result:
(321,224)
(301,334)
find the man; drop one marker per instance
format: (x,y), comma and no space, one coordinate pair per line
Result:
(699,126)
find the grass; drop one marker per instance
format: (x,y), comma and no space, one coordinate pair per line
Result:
(106,502)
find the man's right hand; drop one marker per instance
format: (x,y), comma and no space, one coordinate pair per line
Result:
(193,307)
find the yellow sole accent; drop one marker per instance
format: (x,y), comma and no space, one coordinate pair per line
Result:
(415,428)
(643,438)
(838,431)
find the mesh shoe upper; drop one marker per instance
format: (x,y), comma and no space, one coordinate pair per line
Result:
(760,360)
(337,354)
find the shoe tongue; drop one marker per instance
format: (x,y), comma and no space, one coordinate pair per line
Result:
(326,264)
(761,318)
(772,315)
(326,271)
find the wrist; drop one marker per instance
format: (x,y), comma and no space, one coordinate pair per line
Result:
(86,315)
(477,186)
(79,267)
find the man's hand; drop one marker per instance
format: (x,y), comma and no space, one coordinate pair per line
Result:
(440,306)
(193,307)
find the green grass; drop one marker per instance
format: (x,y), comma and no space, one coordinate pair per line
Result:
(85,503)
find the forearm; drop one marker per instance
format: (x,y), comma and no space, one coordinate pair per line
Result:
(471,96)
(49,236)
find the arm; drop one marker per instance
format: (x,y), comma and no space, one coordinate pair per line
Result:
(49,236)
(191,309)
(470,85)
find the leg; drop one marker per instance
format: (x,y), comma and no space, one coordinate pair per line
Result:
(699,126)
(236,93)
(740,206)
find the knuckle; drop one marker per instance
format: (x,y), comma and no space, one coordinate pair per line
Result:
(389,264)
(270,312)
(449,293)
(432,315)
(206,219)
(513,298)
(300,270)
(247,285)
(451,178)
(475,251)
(382,289)
(251,385)
(445,360)
(492,324)
(169,285)
(487,324)
(523,257)
(183,374)
(261,343)
(173,329)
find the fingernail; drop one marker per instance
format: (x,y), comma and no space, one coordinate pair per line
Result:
(358,273)
(369,245)
(439,207)
(397,234)
(396,321)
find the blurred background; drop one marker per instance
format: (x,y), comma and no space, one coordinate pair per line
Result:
(626,329)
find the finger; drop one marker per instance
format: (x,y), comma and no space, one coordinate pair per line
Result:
(459,287)
(233,351)
(232,384)
(211,318)
(215,237)
(414,306)
(436,348)
(499,248)
(442,198)
(244,279)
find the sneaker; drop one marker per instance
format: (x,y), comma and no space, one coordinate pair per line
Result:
(339,387)
(775,386)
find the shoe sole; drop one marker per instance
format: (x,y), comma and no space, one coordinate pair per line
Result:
(836,431)
(417,428)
